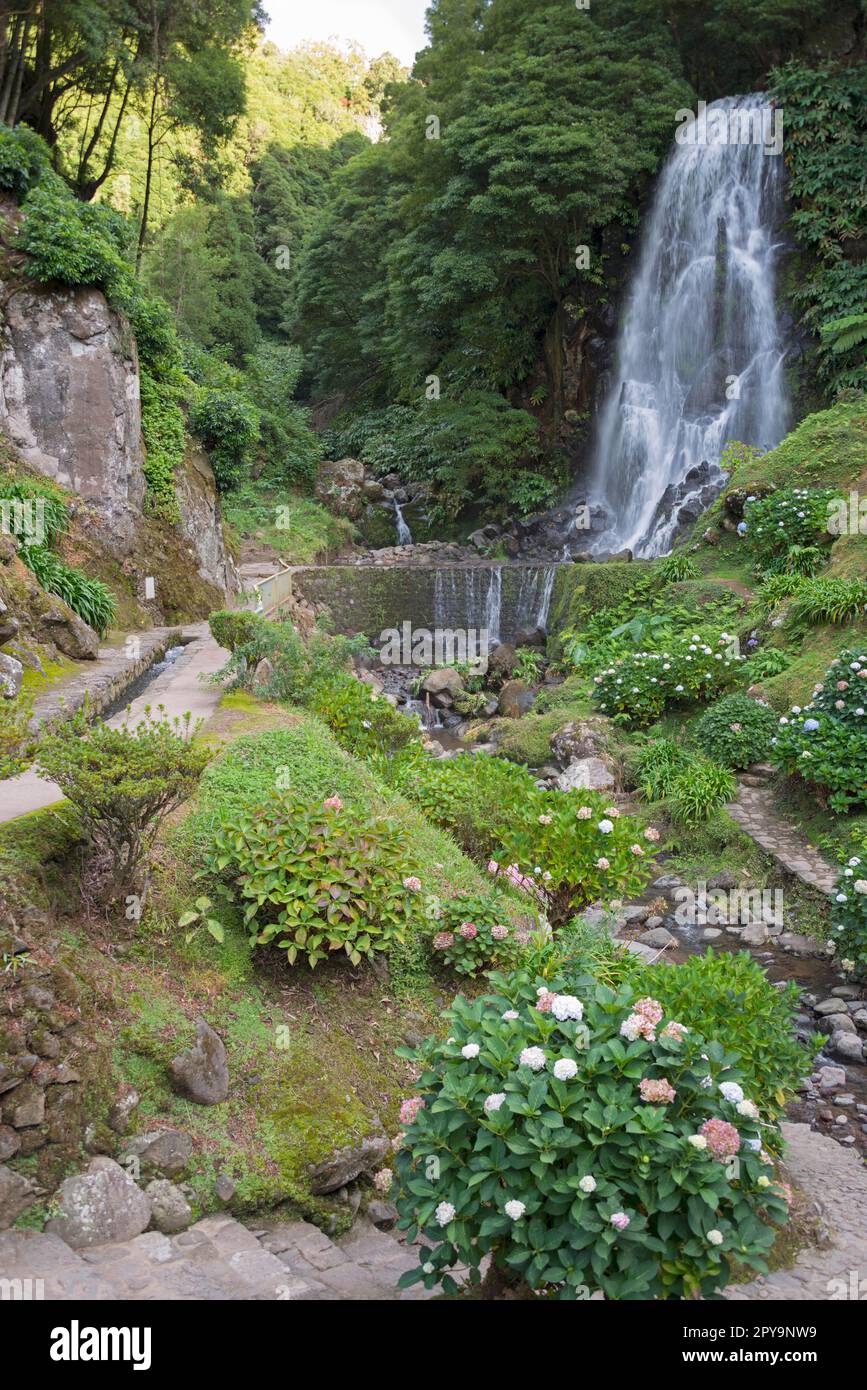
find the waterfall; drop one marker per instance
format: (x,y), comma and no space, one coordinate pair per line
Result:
(700,350)
(494,604)
(404,535)
(501,600)
(533,600)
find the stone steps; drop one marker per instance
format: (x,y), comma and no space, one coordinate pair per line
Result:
(216,1259)
(754,811)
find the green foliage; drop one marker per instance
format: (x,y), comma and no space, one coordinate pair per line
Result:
(529,665)
(50,512)
(730,996)
(767,662)
(70,242)
(362,721)
(470,795)
(164,431)
(123,783)
(611,1193)
(319,879)
(736,731)
(89,598)
(678,566)
(850,917)
(700,790)
(638,688)
(790,517)
(825,126)
(197,917)
(16,747)
(25,161)
(657,763)
(228,426)
(233,628)
(473,936)
(830,600)
(826,741)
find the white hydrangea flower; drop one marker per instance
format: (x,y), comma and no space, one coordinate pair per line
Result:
(509,1015)
(587,1184)
(514,1209)
(532,1057)
(470,1050)
(698,1141)
(748,1109)
(715,1237)
(606,826)
(494,1101)
(566,1006)
(565,1069)
(444,1213)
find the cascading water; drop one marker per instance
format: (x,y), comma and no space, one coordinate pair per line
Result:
(501,600)
(404,535)
(700,351)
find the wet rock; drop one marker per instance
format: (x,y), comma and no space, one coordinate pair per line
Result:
(516,698)
(658,937)
(755,934)
(69,633)
(443,682)
(837,1023)
(13,1071)
(830,1079)
(830,1006)
(10,1142)
(845,992)
(382,1214)
(711,933)
(26,1106)
(502,660)
(202,1073)
(348,1164)
(847,1046)
(101,1204)
(726,879)
(170,1210)
(859,1018)
(17,1193)
(590,773)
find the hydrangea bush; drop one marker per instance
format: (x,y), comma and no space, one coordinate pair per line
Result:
(319,879)
(825,742)
(583,1142)
(637,689)
(569,849)
(473,933)
(789,517)
(736,731)
(850,917)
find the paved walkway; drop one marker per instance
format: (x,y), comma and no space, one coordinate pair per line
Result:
(178,688)
(216,1259)
(754,812)
(836,1180)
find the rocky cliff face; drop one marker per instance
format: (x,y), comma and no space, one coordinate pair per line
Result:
(70,406)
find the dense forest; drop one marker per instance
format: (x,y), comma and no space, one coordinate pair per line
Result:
(427,259)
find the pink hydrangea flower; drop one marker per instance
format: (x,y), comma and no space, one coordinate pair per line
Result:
(443,941)
(652,834)
(636,849)
(499,933)
(651,1009)
(637,1026)
(723,1140)
(603,864)
(410,1108)
(333,804)
(584,812)
(468,930)
(677,1031)
(619,1220)
(493,866)
(412,883)
(659,1092)
(545,1000)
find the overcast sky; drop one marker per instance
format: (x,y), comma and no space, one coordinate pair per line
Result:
(378,25)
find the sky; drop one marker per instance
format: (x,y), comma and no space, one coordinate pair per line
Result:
(396,26)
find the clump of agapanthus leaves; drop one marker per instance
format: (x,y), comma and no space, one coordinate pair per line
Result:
(474,933)
(637,689)
(582,1141)
(575,848)
(825,742)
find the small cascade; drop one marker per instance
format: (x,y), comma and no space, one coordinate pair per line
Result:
(404,535)
(501,600)
(533,600)
(494,604)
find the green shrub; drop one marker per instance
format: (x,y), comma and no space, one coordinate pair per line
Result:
(300,668)
(319,878)
(700,790)
(826,741)
(762,665)
(830,600)
(362,721)
(164,433)
(736,731)
(25,161)
(529,665)
(724,995)
(89,598)
(657,764)
(233,628)
(471,795)
(791,516)
(473,934)
(123,783)
(23,521)
(228,426)
(66,242)
(16,747)
(567,849)
(637,689)
(582,1167)
(677,567)
(850,917)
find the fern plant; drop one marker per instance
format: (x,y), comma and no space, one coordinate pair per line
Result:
(89,598)
(677,567)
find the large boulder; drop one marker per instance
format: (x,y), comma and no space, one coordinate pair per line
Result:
(101,1204)
(443,686)
(170,1210)
(200,521)
(168,1151)
(581,738)
(340,486)
(590,773)
(202,1073)
(11,675)
(8,624)
(516,698)
(348,1164)
(502,661)
(69,633)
